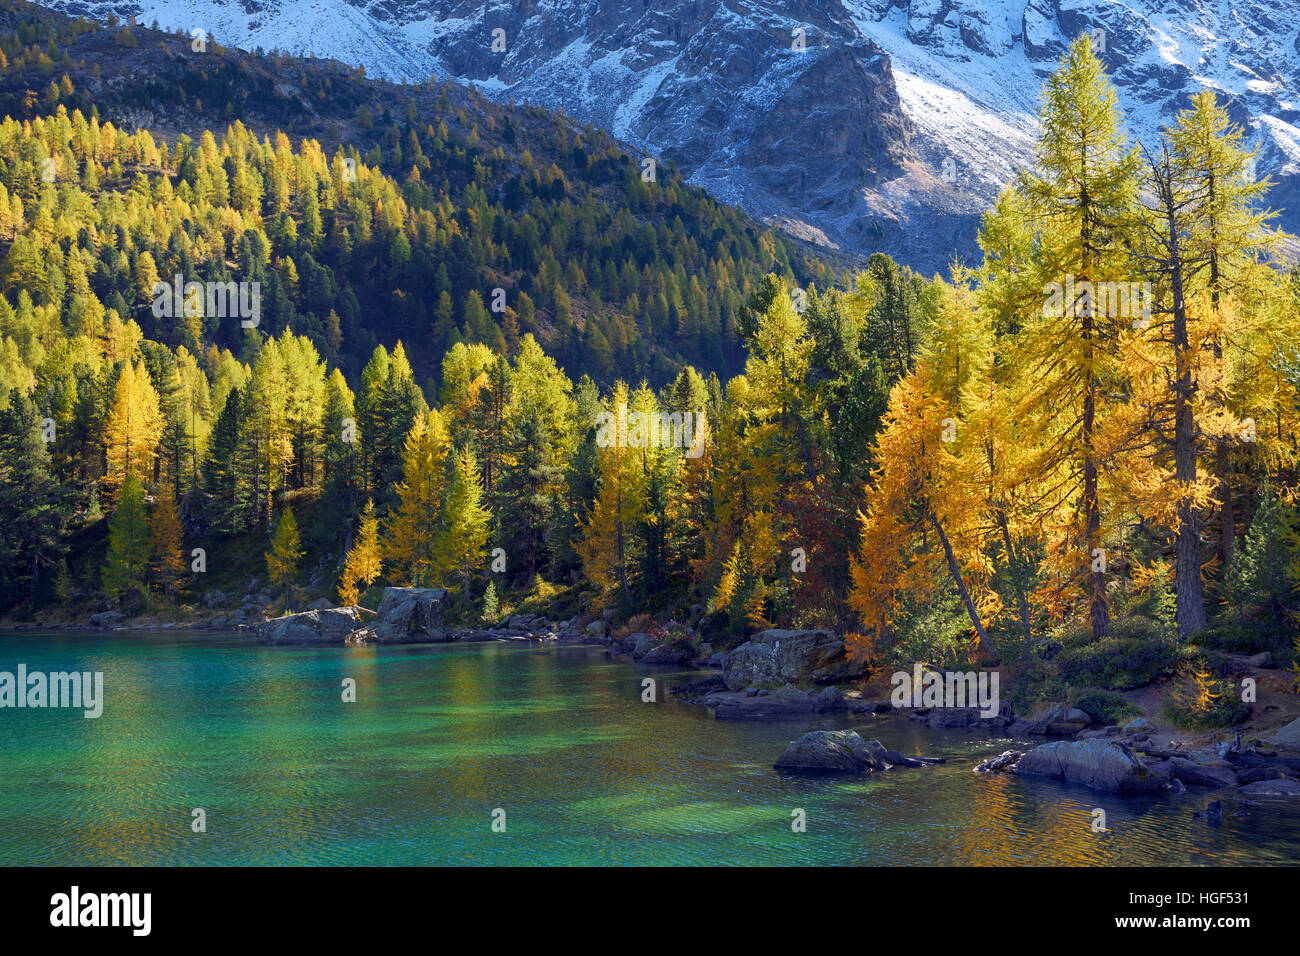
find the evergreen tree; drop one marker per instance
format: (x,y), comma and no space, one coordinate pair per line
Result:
(32,502)
(282,559)
(166,546)
(465,525)
(128,542)
(364,561)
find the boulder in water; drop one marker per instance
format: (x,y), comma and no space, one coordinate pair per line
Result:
(407,616)
(829,751)
(331,626)
(1104,765)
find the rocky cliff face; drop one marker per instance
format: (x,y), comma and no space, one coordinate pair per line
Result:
(864,124)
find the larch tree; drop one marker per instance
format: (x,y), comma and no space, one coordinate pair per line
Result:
(466,524)
(364,562)
(282,559)
(1229,234)
(413,524)
(166,543)
(132,429)
(607,535)
(930,477)
(1077,203)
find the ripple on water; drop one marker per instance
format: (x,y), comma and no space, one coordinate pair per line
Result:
(557,738)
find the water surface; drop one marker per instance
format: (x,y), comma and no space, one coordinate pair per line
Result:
(443,735)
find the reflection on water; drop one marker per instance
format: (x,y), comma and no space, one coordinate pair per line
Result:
(440,736)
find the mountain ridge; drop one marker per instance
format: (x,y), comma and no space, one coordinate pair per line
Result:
(884,125)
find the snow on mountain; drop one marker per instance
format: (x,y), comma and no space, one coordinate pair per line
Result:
(859,123)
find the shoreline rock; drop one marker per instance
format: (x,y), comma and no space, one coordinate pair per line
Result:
(843,751)
(1103,765)
(331,626)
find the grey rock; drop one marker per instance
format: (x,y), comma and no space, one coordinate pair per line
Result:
(758,704)
(408,616)
(638,645)
(774,657)
(829,751)
(1139,725)
(1288,736)
(1271,788)
(668,654)
(107,619)
(1256,774)
(330,626)
(1104,765)
(1202,775)
(1052,720)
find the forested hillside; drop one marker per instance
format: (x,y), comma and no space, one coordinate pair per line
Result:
(1087,441)
(401,216)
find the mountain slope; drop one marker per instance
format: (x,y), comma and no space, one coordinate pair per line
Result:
(488,222)
(893,128)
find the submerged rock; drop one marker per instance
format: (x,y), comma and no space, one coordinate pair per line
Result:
(1105,765)
(1271,788)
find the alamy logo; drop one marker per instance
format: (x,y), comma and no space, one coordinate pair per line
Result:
(132,910)
(241,300)
(1114,300)
(931,688)
(80,690)
(626,429)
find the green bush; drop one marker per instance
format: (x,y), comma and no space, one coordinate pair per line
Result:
(1121,662)
(1242,637)
(1030,683)
(1204,702)
(937,632)
(1105,706)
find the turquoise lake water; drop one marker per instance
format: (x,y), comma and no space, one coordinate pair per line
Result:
(441,736)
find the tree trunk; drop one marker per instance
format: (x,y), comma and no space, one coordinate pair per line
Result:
(1098,611)
(961,585)
(1190,610)
(1227,518)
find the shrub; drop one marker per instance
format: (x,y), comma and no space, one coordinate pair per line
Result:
(1241,637)
(1120,663)
(1105,706)
(1204,701)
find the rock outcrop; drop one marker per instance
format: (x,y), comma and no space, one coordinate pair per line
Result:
(1104,765)
(1053,720)
(331,626)
(843,751)
(406,616)
(1288,736)
(777,657)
